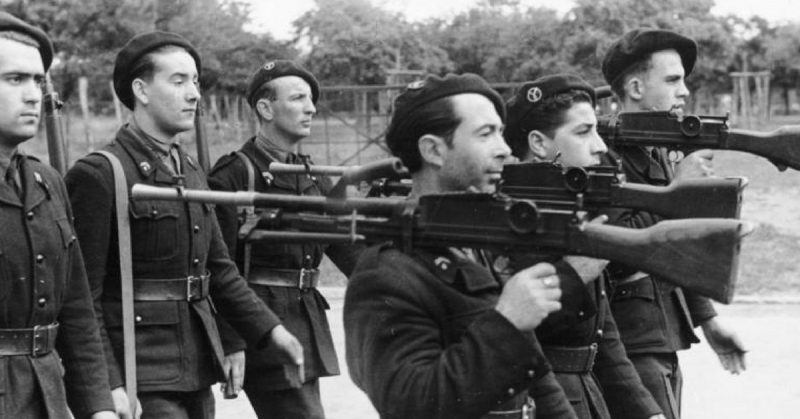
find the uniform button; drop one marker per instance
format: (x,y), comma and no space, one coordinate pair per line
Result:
(42,301)
(531,373)
(196,261)
(581,314)
(196,228)
(600,333)
(154,212)
(138,319)
(29,215)
(39,258)
(511,392)
(313,178)
(308,257)
(603,293)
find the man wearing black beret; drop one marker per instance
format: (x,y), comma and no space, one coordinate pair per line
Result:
(283,95)
(433,333)
(646,70)
(180,262)
(46,317)
(552,119)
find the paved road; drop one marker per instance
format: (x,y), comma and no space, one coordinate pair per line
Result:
(768,389)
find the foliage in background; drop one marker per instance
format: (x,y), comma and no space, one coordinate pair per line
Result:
(358,42)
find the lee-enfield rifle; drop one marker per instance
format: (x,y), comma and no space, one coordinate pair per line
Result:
(597,188)
(691,132)
(700,255)
(54,127)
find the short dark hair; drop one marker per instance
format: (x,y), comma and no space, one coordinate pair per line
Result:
(436,118)
(639,67)
(546,116)
(145,67)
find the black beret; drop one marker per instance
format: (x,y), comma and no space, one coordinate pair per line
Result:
(434,87)
(639,43)
(534,92)
(135,49)
(275,69)
(9,22)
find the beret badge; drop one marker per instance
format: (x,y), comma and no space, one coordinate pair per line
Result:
(534,94)
(269,66)
(419,84)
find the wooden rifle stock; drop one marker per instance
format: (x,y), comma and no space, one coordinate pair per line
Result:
(691,132)
(201,137)
(601,187)
(699,255)
(54,126)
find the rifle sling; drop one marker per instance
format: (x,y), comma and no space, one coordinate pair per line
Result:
(125,275)
(249,211)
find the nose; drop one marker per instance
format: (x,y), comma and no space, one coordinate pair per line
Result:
(193,92)
(683,91)
(598,145)
(33,92)
(503,151)
(310,108)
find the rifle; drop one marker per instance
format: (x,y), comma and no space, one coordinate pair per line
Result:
(390,168)
(700,255)
(690,133)
(54,127)
(597,188)
(201,137)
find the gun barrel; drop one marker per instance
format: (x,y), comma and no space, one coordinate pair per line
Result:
(54,127)
(369,206)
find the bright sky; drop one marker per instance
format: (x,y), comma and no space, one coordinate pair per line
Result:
(276,16)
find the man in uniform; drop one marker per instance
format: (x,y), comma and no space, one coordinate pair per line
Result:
(285,276)
(180,261)
(553,119)
(432,333)
(46,317)
(646,70)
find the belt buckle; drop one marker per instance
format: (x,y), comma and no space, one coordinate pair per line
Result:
(194,285)
(305,279)
(36,344)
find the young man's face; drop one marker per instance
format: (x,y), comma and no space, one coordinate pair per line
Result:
(476,157)
(293,107)
(576,139)
(663,84)
(173,93)
(21,80)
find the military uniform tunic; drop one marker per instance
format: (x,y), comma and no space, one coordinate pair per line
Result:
(301,310)
(43,281)
(177,342)
(423,340)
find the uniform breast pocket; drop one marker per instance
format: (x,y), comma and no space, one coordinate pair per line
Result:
(638,313)
(154,230)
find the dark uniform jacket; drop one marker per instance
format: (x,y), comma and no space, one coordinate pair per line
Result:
(423,340)
(177,342)
(43,281)
(301,311)
(652,316)
(609,387)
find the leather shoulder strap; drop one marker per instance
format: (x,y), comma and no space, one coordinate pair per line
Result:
(249,219)
(126,273)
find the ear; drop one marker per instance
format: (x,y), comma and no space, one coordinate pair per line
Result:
(634,88)
(538,144)
(264,109)
(432,150)
(140,91)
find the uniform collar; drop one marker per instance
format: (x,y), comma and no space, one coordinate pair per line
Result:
(643,163)
(458,271)
(132,140)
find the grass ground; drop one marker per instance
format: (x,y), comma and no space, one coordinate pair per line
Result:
(772,198)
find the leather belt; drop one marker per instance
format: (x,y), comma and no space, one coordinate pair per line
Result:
(526,411)
(35,341)
(192,288)
(571,360)
(295,278)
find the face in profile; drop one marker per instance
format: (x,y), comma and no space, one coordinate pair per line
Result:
(575,142)
(474,160)
(171,97)
(663,86)
(21,80)
(293,107)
